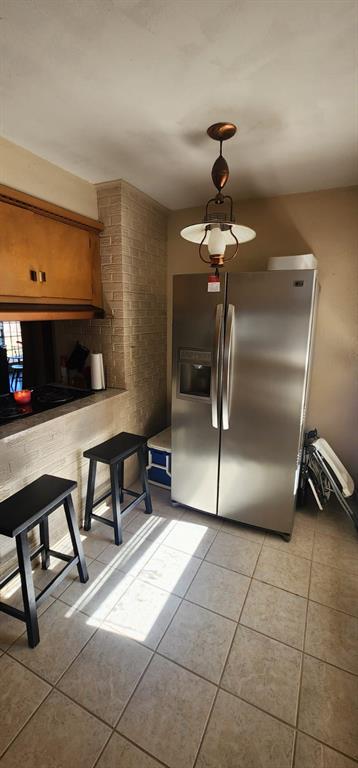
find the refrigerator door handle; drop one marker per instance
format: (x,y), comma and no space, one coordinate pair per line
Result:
(214,383)
(227,365)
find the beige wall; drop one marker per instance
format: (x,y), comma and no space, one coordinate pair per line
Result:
(29,173)
(324,223)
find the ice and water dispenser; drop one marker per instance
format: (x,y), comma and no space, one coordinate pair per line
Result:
(194,373)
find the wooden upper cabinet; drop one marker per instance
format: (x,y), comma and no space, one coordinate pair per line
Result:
(18,255)
(64,260)
(46,259)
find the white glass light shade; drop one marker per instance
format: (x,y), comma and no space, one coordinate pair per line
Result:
(216,242)
(195,233)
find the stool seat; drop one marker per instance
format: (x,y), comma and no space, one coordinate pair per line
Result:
(24,509)
(116,448)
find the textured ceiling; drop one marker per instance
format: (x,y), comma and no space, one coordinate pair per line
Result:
(126,89)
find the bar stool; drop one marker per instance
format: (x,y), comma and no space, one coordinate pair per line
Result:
(114,452)
(19,514)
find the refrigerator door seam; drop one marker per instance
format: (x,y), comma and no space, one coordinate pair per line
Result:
(227,365)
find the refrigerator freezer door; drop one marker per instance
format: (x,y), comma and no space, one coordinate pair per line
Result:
(198,319)
(264,408)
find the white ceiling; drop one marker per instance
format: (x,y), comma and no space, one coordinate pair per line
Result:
(126,89)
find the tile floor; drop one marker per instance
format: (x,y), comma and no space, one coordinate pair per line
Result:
(196,643)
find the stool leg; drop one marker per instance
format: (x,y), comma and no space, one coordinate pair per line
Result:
(44,539)
(144,479)
(90,494)
(75,538)
(28,592)
(121,480)
(116,504)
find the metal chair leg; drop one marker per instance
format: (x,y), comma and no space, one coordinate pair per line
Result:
(90,494)
(28,592)
(116,504)
(45,540)
(144,478)
(75,538)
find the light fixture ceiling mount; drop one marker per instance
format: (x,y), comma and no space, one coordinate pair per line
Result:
(218,228)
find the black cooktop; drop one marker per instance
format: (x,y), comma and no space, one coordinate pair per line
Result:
(42,399)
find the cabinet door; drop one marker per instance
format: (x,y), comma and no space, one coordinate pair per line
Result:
(18,252)
(65,257)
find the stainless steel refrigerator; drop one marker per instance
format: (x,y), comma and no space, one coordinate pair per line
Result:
(240,379)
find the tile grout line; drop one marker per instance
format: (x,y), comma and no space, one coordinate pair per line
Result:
(211,710)
(303,653)
(181,598)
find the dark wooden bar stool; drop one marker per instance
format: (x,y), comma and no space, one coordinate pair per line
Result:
(19,514)
(114,452)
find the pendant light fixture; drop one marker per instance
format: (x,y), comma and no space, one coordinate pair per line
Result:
(218,228)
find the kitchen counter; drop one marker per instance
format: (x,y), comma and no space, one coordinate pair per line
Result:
(20,425)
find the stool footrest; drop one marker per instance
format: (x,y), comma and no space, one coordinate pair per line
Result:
(138,497)
(58,578)
(101,498)
(12,611)
(60,555)
(15,571)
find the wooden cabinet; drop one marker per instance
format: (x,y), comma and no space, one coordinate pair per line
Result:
(47,259)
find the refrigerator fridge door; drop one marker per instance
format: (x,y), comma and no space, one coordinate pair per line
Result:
(265,368)
(198,321)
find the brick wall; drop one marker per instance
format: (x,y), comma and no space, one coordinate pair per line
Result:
(132,337)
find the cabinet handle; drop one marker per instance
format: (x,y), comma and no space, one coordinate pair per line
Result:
(33,275)
(42,277)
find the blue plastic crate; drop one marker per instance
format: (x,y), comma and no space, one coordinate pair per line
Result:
(160,459)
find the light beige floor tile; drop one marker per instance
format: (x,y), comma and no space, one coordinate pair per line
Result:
(10,628)
(171,570)
(96,540)
(192,538)
(313,754)
(264,673)
(283,571)
(143,613)
(339,553)
(219,589)
(244,531)
(301,543)
(130,556)
(105,674)
(199,640)
(332,636)
(168,712)
(101,592)
(210,521)
(60,734)
(61,639)
(335,588)
(120,753)
(276,613)
(234,553)
(240,736)
(154,527)
(21,693)
(332,521)
(329,706)
(307,515)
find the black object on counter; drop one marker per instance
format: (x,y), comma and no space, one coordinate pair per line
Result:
(42,399)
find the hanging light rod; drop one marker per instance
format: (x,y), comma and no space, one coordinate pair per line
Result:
(218,228)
